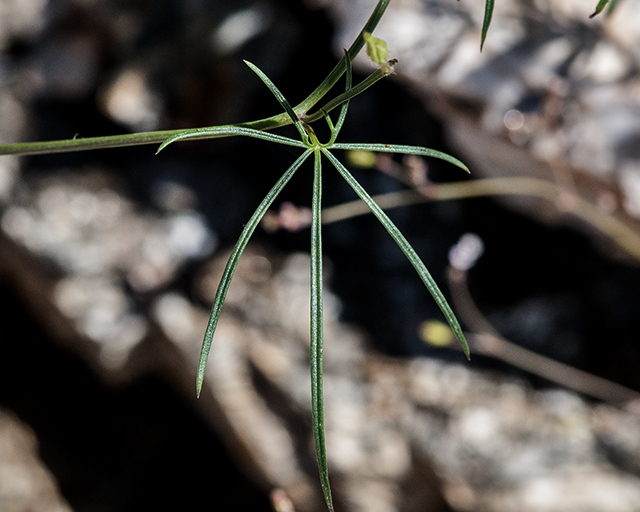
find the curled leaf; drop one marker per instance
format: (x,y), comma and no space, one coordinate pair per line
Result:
(376,49)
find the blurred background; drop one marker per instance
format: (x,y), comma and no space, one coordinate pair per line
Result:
(110,259)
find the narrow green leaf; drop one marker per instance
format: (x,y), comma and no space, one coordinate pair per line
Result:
(488,14)
(283,101)
(345,106)
(599,8)
(407,150)
(232,264)
(223,131)
(317,399)
(406,248)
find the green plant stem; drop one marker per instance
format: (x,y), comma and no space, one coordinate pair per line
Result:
(340,68)
(374,77)
(157,137)
(79,144)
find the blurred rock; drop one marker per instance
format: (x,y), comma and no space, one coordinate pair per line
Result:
(105,247)
(20,19)
(25,482)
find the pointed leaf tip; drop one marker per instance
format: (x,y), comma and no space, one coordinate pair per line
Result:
(486,22)
(599,8)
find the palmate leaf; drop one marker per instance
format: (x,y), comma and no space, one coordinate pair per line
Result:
(309,143)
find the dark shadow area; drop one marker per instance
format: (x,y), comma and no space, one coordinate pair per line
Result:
(117,450)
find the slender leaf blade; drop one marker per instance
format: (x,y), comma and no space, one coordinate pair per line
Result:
(224,131)
(407,150)
(317,398)
(345,105)
(409,252)
(488,14)
(280,97)
(232,264)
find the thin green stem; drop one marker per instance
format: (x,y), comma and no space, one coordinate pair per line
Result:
(374,77)
(79,144)
(335,74)
(335,130)
(157,137)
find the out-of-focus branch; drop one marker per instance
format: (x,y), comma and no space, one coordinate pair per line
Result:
(606,223)
(487,341)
